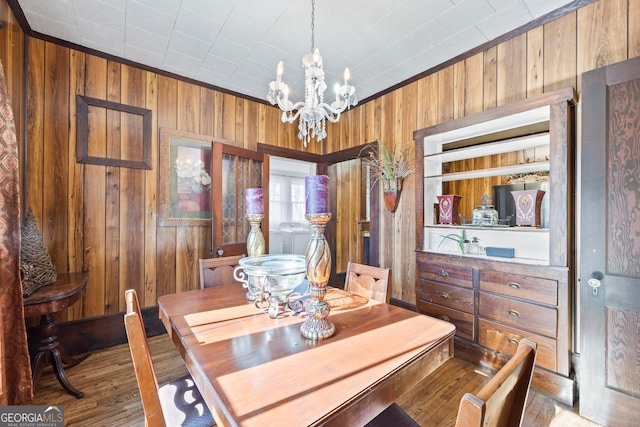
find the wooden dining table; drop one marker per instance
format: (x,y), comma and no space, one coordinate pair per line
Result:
(253,370)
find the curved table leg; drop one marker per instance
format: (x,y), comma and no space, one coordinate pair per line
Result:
(52,351)
(58,369)
(68,360)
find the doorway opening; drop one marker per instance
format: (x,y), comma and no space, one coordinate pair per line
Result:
(289,231)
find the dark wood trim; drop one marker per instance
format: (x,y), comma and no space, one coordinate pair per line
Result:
(565,94)
(81,336)
(568,8)
(20,16)
(323,162)
(555,14)
(290,153)
(403,304)
(82,129)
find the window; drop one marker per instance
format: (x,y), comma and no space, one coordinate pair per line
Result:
(286,190)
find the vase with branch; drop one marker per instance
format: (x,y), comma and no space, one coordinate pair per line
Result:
(389,168)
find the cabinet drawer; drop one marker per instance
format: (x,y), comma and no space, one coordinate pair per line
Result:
(462,321)
(522,315)
(447,295)
(505,340)
(516,285)
(444,273)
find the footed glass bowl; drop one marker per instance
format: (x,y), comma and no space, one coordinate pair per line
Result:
(273,277)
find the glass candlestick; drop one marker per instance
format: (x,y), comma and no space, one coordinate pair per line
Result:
(255,247)
(318,259)
(255,239)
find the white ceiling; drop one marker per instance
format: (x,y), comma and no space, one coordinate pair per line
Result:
(236,44)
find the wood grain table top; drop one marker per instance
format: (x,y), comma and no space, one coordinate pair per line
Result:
(256,371)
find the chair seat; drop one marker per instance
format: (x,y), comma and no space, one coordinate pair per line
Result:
(393,416)
(182,404)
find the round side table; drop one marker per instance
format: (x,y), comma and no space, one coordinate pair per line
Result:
(44,302)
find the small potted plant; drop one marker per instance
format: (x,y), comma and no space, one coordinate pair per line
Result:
(389,168)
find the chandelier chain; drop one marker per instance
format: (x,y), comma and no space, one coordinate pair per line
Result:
(313,20)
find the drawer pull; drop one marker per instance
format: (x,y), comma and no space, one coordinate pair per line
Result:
(513,313)
(513,285)
(445,318)
(444,273)
(444,295)
(513,341)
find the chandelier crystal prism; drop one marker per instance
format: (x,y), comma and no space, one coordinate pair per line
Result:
(313,112)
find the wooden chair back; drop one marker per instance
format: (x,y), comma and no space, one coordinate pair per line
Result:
(218,271)
(142,363)
(501,402)
(368,281)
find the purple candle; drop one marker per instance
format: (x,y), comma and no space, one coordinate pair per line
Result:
(253,198)
(317,194)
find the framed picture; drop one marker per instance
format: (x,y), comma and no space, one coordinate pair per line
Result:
(185,178)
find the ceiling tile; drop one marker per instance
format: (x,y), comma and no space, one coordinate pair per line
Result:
(149,19)
(188,45)
(146,40)
(216,10)
(99,12)
(197,26)
(465,14)
(504,20)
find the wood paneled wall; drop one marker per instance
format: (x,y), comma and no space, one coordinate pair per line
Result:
(103,219)
(122,232)
(543,59)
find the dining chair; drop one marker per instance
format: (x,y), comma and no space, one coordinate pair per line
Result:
(175,403)
(500,403)
(218,271)
(368,281)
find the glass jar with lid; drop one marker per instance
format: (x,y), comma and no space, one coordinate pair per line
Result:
(484,214)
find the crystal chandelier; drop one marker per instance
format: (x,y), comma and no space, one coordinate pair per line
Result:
(313,112)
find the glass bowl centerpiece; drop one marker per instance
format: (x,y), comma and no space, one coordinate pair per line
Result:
(273,278)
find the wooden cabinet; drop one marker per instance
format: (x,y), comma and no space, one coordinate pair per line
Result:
(495,302)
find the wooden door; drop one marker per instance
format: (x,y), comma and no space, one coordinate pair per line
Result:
(610,245)
(234,169)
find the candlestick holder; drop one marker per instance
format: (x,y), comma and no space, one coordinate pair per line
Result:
(318,259)
(255,247)
(255,239)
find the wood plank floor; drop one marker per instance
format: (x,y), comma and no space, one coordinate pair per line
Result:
(112,398)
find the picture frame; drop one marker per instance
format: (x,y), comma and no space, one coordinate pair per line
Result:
(185,178)
(138,127)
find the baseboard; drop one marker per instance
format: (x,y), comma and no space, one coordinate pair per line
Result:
(81,336)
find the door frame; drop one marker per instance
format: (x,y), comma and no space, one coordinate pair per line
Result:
(323,161)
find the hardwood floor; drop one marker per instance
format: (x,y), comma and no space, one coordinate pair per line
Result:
(112,398)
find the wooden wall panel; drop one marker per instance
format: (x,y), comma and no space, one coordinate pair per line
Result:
(535,61)
(115,247)
(542,59)
(132,188)
(76,180)
(151,197)
(34,162)
(634,29)
(512,70)
(560,53)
